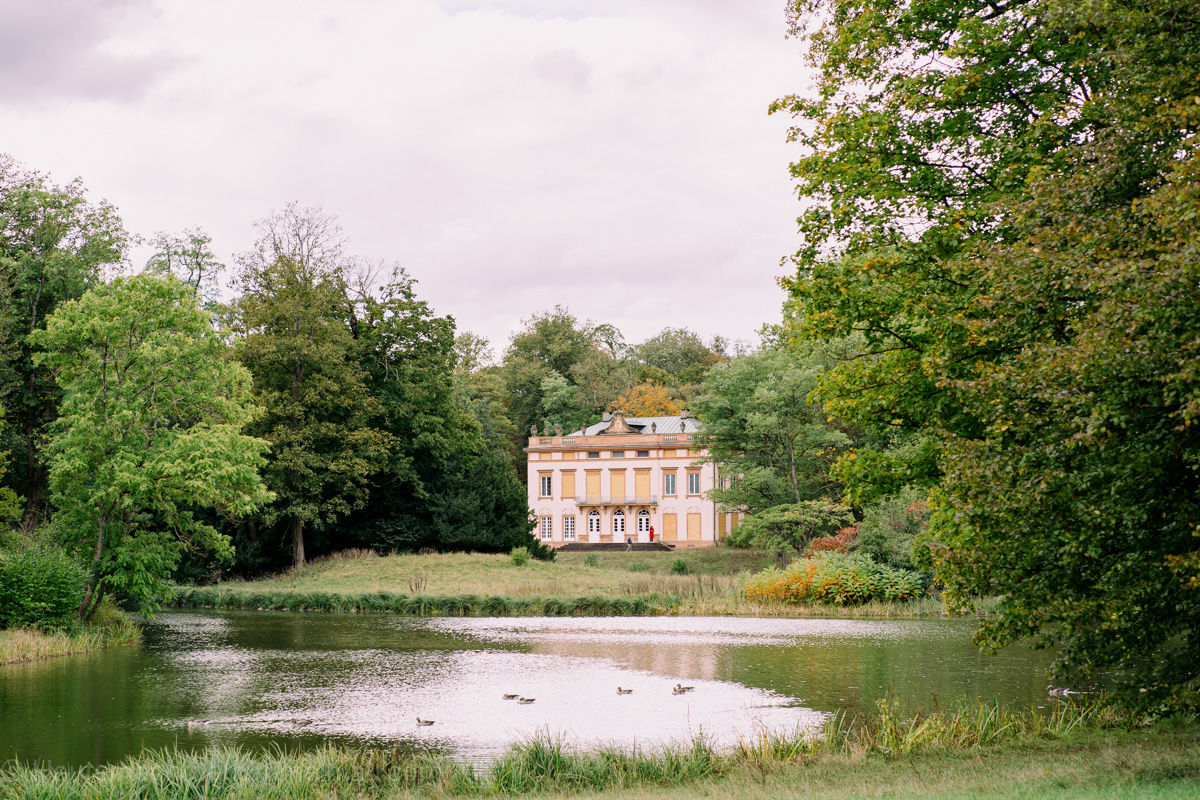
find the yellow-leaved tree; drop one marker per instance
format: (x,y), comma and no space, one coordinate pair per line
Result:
(647,400)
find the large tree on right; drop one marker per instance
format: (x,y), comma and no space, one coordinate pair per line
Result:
(1003,199)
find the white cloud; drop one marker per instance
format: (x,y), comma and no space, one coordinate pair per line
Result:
(615,157)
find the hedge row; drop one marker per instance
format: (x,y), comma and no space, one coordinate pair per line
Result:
(423,605)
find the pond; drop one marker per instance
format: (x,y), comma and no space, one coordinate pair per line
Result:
(298,680)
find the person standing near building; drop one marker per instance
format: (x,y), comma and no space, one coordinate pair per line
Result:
(628,543)
(651,534)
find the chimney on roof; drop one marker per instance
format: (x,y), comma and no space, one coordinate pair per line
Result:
(606,416)
(685,414)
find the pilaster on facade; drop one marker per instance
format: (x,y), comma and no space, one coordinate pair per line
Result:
(622,479)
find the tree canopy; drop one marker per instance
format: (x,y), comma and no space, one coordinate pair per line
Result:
(149,432)
(54,245)
(1002,202)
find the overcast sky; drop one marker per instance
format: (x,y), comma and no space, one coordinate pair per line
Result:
(614,156)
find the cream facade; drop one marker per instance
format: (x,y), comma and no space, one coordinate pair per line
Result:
(621,477)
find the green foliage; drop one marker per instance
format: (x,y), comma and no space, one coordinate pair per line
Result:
(40,586)
(678,352)
(54,244)
(294,339)
(889,528)
(591,560)
(520,556)
(1006,208)
(149,432)
(793,524)
(190,259)
(760,428)
(680,567)
(834,578)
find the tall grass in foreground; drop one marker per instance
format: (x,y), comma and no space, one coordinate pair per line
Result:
(24,644)
(546,765)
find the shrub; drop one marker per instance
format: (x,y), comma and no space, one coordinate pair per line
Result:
(834,578)
(680,567)
(542,552)
(520,556)
(840,542)
(591,561)
(40,587)
(890,526)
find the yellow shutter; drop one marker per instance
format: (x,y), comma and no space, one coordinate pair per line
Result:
(616,481)
(568,485)
(593,486)
(693,523)
(641,484)
(721,524)
(670,527)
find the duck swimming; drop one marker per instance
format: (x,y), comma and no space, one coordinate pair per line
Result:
(424,721)
(508,697)
(526,700)
(624,691)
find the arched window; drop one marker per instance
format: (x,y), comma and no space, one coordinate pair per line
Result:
(593,522)
(643,521)
(618,523)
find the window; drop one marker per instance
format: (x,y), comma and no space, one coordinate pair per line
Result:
(594,522)
(618,523)
(643,521)
(669,484)
(593,454)
(545,486)
(643,453)
(547,528)
(569,528)
(693,483)
(618,453)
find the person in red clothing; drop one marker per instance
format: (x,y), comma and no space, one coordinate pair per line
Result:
(651,533)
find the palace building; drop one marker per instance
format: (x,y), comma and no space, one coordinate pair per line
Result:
(621,477)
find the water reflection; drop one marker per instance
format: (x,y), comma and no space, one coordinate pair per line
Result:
(302,679)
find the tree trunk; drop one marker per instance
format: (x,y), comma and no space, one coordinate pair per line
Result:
(33,495)
(95,579)
(297,542)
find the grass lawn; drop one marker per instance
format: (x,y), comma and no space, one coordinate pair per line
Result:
(711,586)
(1111,766)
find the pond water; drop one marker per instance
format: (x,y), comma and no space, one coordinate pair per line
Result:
(298,680)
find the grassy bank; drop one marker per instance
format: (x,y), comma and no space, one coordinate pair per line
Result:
(593,584)
(30,645)
(1072,752)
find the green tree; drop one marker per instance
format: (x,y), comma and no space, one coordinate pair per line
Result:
(793,524)
(292,321)
(549,344)
(189,257)
(54,244)
(1003,202)
(767,439)
(149,432)
(679,352)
